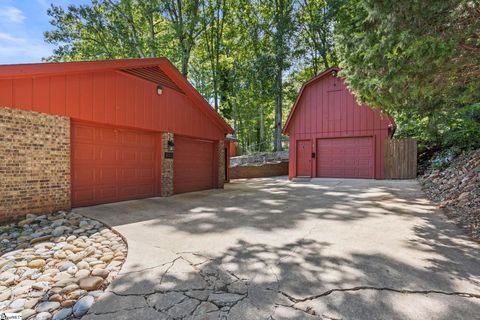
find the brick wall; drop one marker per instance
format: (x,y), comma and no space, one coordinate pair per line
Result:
(34,163)
(271,169)
(221,164)
(167,167)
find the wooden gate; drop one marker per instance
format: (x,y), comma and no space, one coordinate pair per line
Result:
(400,159)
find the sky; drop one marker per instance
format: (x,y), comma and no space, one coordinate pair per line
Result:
(22,23)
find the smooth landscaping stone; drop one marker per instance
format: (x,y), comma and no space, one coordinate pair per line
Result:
(58,231)
(82,306)
(62,276)
(31,303)
(6,278)
(43,316)
(47,306)
(70,288)
(96,294)
(40,239)
(18,303)
(21,290)
(100,273)
(90,283)
(68,303)
(76,294)
(37,263)
(26,313)
(56,297)
(5,294)
(62,314)
(72,270)
(83,265)
(83,273)
(65,265)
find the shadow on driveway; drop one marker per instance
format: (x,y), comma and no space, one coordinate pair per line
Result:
(272,249)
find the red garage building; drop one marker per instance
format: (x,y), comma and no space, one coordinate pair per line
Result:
(331,135)
(104,131)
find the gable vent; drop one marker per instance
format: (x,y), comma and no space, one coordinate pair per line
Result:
(153,74)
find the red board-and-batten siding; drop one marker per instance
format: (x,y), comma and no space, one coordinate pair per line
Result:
(112,98)
(104,97)
(326,108)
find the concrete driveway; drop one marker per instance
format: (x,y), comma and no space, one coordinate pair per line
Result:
(274,249)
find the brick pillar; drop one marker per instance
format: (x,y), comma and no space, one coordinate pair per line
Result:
(221,164)
(167,166)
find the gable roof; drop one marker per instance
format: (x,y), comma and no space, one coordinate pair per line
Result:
(309,82)
(157,70)
(304,85)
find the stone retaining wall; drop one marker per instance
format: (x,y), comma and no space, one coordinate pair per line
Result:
(271,169)
(34,163)
(259,158)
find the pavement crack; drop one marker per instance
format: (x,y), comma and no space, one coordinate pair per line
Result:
(150,268)
(359,288)
(168,269)
(300,243)
(143,294)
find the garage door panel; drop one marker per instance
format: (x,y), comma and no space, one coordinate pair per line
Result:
(345,157)
(112,166)
(146,141)
(108,193)
(106,154)
(136,191)
(146,174)
(83,133)
(84,152)
(349,163)
(193,165)
(104,175)
(130,139)
(105,136)
(364,163)
(146,156)
(83,175)
(83,196)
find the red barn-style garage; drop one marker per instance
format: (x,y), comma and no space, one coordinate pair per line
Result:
(331,135)
(104,131)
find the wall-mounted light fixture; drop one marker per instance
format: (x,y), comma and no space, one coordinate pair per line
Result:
(334,73)
(170,145)
(159,90)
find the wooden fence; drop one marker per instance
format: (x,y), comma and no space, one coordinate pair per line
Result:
(400,159)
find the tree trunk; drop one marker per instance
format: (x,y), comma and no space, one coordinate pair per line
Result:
(277,144)
(185,59)
(262,128)
(215,92)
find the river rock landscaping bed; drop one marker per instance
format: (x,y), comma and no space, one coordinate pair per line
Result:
(56,266)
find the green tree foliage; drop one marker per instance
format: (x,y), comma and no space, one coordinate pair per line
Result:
(316,20)
(418,60)
(247,57)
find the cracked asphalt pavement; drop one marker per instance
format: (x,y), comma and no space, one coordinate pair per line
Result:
(274,249)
